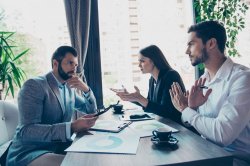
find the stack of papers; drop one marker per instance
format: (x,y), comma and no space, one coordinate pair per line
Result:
(116,140)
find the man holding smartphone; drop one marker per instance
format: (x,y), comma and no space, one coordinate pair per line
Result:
(46,105)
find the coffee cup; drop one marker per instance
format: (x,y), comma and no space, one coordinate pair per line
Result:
(162,134)
(118,108)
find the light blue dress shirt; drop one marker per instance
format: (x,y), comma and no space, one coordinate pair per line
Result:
(64,93)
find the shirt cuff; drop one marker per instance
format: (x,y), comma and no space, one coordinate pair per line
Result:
(187,115)
(87,94)
(68,131)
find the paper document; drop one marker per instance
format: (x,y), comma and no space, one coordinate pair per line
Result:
(110,126)
(125,142)
(145,128)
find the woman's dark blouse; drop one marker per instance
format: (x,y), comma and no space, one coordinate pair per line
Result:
(159,100)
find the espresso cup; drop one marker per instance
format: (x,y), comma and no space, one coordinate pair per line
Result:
(118,108)
(162,134)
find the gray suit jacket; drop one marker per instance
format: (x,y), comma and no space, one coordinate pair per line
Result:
(43,117)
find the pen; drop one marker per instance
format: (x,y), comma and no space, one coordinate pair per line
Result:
(124,125)
(203,87)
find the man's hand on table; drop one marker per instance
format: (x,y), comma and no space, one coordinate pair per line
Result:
(83,123)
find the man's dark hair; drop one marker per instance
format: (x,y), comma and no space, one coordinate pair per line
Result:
(60,53)
(210,29)
(155,54)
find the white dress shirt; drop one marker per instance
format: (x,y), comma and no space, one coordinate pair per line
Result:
(225,117)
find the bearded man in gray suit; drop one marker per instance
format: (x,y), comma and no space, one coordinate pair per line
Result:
(46,105)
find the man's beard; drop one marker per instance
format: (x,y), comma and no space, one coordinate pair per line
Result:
(62,73)
(202,58)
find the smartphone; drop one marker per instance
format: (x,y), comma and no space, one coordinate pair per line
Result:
(102,112)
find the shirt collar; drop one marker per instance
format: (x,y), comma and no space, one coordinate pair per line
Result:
(59,84)
(223,72)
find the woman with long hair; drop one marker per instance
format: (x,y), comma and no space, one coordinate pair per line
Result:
(152,60)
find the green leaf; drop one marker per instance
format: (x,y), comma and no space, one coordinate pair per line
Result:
(10,85)
(230,12)
(11,75)
(7,92)
(20,55)
(16,75)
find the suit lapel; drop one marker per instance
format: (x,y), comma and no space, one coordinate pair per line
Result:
(151,88)
(159,85)
(54,87)
(155,94)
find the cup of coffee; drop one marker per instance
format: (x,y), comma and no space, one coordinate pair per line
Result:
(163,134)
(118,109)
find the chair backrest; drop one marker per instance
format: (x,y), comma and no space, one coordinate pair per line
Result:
(8,121)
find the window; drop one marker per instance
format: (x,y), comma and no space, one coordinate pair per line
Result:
(134,24)
(40,26)
(243,41)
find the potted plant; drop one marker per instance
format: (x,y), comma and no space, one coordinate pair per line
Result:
(11,74)
(230,13)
